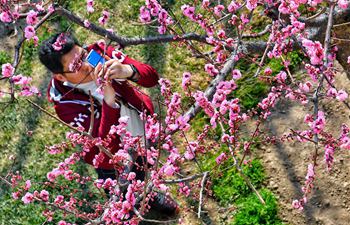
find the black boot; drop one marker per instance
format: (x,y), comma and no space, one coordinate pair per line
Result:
(164,204)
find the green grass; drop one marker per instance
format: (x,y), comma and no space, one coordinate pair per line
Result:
(252,212)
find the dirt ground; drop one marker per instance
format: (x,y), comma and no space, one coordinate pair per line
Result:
(286,165)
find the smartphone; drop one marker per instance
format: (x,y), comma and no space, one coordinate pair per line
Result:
(94,58)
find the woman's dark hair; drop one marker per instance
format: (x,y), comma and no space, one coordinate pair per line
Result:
(51,57)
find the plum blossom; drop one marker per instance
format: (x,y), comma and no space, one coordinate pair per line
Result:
(16,195)
(281,77)
(87,23)
(145,15)
(236,74)
(105,16)
(90,6)
(314,50)
(186,80)
(29,32)
(233,6)
(60,41)
(169,170)
(39,7)
(329,156)
(27,185)
(21,80)
(319,124)
(267,71)
(210,69)
(204,103)
(7,70)
(252,4)
(5,17)
(305,87)
(218,9)
(44,195)
(220,158)
(332,92)
(296,204)
(205,3)
(32,17)
(343,4)
(342,95)
(28,198)
(188,11)
(51,8)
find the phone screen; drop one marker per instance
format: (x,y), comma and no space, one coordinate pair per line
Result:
(94,58)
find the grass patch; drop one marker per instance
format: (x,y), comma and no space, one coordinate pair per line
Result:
(252,212)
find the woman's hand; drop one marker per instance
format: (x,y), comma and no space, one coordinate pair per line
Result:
(117,70)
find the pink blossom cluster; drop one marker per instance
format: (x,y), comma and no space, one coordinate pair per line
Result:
(223,89)
(312,71)
(22,82)
(7,14)
(211,70)
(165,89)
(186,80)
(90,6)
(189,12)
(267,103)
(309,179)
(329,156)
(120,210)
(57,148)
(29,33)
(60,41)
(7,70)
(184,189)
(340,95)
(6,17)
(203,102)
(344,140)
(104,18)
(63,169)
(317,124)
(32,17)
(315,51)
(153,8)
(152,127)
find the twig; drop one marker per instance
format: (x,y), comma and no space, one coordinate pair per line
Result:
(201,194)
(341,24)
(261,33)
(341,39)
(301,136)
(263,58)
(185,179)
(288,71)
(92,116)
(323,10)
(6,181)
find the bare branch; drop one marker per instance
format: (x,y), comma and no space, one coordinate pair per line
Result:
(201,194)
(92,116)
(261,33)
(195,176)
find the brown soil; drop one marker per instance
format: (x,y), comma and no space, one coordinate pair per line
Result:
(286,165)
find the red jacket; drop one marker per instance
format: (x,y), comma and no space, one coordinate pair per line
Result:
(73,106)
